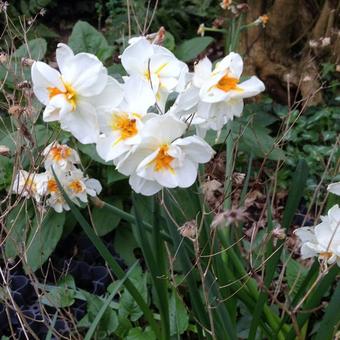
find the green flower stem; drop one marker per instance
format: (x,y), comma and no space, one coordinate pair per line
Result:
(130,218)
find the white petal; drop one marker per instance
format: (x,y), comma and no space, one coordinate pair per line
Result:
(202,72)
(305,234)
(143,186)
(86,74)
(232,64)
(250,87)
(43,77)
(110,97)
(135,57)
(307,251)
(186,174)
(82,123)
(195,148)
(129,163)
(138,95)
(55,106)
(165,128)
(334,188)
(64,56)
(110,148)
(209,93)
(93,187)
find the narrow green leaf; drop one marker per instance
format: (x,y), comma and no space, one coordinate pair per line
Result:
(106,304)
(314,300)
(331,320)
(104,252)
(155,259)
(51,327)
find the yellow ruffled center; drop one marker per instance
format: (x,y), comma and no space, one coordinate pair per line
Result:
(52,186)
(76,186)
(126,126)
(60,152)
(69,93)
(227,83)
(163,159)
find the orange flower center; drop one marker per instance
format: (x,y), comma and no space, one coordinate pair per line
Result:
(227,83)
(76,186)
(127,127)
(30,185)
(61,152)
(163,159)
(326,254)
(52,186)
(69,93)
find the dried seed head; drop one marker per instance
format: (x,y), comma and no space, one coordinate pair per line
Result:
(238,177)
(3,6)
(27,62)
(4,150)
(24,85)
(229,217)
(3,58)
(158,38)
(189,229)
(15,110)
(279,233)
(225,4)
(201,30)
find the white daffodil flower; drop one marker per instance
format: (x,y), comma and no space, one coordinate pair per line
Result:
(212,98)
(60,156)
(67,94)
(29,184)
(122,125)
(164,159)
(334,188)
(156,65)
(76,186)
(322,240)
(55,197)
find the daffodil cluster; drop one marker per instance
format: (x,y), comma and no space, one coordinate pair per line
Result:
(323,240)
(43,187)
(127,121)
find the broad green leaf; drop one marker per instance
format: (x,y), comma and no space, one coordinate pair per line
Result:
(128,306)
(104,220)
(295,275)
(61,296)
(179,319)
(125,244)
(85,38)
(137,333)
(17,224)
(190,49)
(109,320)
(43,238)
(35,49)
(257,139)
(6,169)
(113,175)
(169,41)
(90,150)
